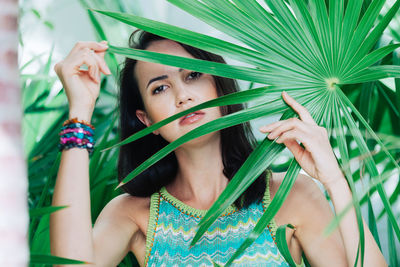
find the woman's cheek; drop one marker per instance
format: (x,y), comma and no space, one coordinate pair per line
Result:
(167,132)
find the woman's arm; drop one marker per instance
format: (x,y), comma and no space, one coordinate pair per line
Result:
(341,196)
(71,228)
(71,234)
(307,208)
(318,160)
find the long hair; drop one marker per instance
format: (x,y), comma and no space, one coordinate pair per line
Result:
(237,142)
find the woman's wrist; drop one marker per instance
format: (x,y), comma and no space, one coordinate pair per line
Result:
(80,114)
(336,183)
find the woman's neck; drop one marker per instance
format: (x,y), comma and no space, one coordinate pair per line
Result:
(200,179)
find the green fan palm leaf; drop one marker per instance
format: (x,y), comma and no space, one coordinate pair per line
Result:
(372,38)
(344,156)
(275,38)
(372,58)
(220,69)
(311,48)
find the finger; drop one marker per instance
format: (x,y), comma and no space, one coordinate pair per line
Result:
(302,111)
(89,59)
(94,73)
(299,137)
(269,127)
(287,125)
(293,134)
(294,147)
(96,46)
(101,63)
(101,54)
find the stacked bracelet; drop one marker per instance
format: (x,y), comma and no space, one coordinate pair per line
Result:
(76,133)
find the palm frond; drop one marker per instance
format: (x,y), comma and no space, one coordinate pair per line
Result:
(315,49)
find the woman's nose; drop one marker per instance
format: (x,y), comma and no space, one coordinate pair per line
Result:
(183,96)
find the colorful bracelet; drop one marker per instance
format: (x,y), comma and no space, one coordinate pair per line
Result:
(75,120)
(75,133)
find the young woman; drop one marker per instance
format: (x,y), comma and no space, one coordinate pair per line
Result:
(157,216)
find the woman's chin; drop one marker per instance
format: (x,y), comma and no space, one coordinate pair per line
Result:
(201,141)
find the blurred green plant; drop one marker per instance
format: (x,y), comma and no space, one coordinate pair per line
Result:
(335,54)
(44,114)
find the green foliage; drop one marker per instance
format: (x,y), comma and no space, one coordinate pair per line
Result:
(44,114)
(322,47)
(335,55)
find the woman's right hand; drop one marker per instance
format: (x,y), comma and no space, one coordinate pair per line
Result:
(82,87)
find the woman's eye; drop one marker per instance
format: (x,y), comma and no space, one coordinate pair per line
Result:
(159,89)
(194,75)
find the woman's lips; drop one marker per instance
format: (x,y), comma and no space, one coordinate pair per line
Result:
(192,117)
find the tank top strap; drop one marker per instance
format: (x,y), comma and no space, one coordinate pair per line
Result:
(273,227)
(152,225)
(267,201)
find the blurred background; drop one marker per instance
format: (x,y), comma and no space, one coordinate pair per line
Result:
(48,31)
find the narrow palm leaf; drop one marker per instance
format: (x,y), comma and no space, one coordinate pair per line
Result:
(372,223)
(280,196)
(282,244)
(232,191)
(231,99)
(370,164)
(362,29)
(373,36)
(344,156)
(218,124)
(283,190)
(49,259)
(45,210)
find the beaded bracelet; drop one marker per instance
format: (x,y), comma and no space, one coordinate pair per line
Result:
(75,120)
(75,133)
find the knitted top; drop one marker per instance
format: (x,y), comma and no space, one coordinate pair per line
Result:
(172,226)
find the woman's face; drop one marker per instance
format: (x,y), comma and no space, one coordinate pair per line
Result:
(167,90)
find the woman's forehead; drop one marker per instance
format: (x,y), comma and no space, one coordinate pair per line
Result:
(145,70)
(167,47)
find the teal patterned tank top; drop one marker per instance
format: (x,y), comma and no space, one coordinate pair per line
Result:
(172,226)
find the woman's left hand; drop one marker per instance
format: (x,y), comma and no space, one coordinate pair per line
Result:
(317,157)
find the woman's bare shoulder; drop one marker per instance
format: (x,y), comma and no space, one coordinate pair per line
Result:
(303,186)
(126,209)
(131,206)
(307,208)
(304,198)
(119,228)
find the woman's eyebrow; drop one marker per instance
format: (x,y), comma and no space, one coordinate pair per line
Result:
(162,77)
